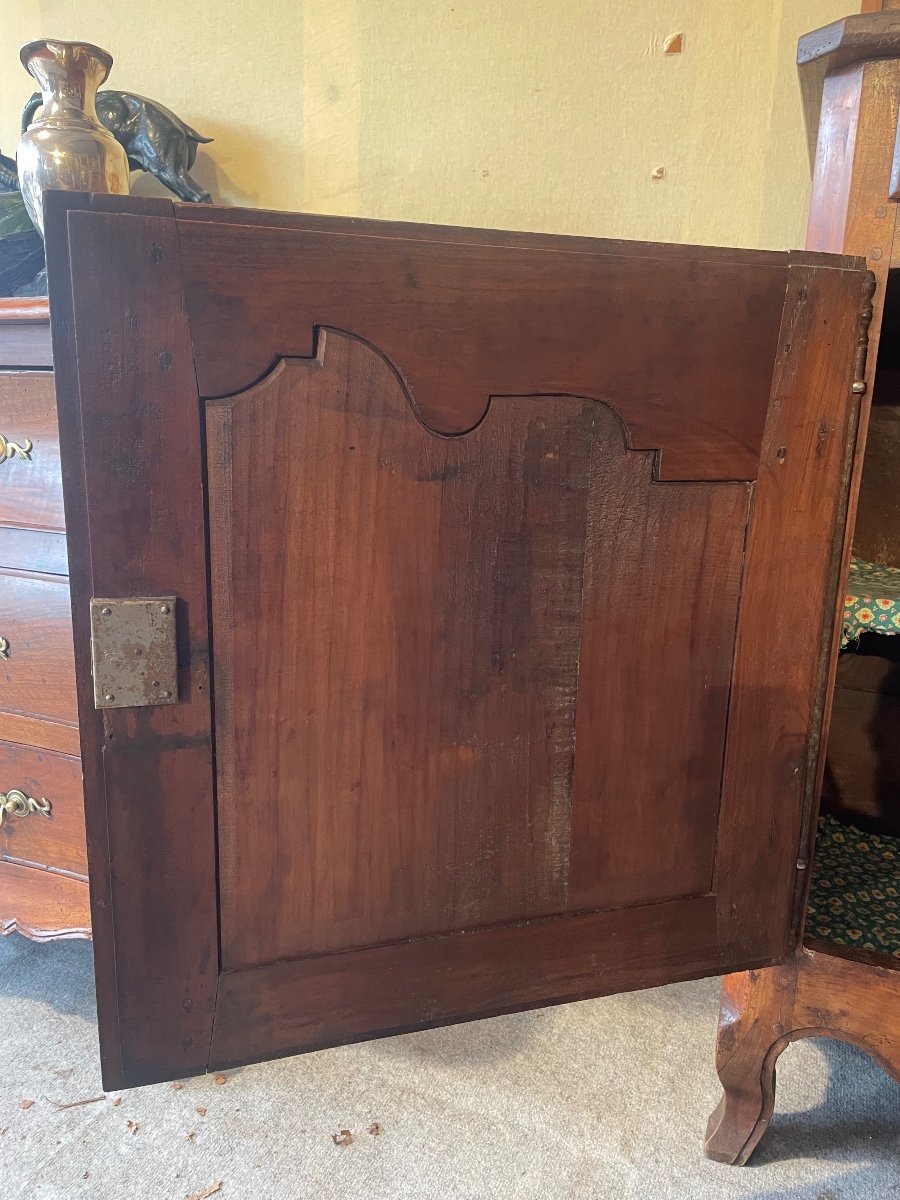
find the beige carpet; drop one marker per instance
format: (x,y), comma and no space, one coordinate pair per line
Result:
(607,1098)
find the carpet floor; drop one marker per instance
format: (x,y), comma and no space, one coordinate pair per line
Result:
(606,1098)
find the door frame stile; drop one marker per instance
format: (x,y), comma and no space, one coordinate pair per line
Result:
(129,417)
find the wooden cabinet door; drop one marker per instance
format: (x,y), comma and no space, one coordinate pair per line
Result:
(505,568)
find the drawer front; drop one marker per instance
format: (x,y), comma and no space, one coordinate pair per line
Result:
(33,550)
(37,663)
(30,480)
(41,905)
(41,809)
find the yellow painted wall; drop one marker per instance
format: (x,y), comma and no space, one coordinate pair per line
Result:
(531,114)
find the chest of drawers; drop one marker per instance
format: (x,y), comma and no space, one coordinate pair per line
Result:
(43,858)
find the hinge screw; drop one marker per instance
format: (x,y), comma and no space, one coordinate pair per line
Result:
(109,697)
(164,608)
(165,695)
(106,610)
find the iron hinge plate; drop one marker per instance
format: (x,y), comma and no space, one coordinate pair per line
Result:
(133,652)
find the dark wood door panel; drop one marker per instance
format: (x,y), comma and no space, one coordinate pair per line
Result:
(404,628)
(461,767)
(395,628)
(687,366)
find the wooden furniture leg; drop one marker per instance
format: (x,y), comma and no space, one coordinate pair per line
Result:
(815,994)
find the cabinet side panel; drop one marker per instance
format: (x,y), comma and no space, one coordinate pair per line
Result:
(787,634)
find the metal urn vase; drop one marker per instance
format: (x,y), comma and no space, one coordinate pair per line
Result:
(67,147)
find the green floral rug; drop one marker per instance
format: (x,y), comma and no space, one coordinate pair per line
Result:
(872,600)
(854,898)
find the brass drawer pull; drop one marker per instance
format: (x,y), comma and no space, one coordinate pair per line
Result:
(10,449)
(4,648)
(17,804)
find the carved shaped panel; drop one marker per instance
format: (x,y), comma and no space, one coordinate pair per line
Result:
(681,340)
(408,633)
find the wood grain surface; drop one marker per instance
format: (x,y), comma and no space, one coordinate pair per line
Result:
(814,994)
(321,1000)
(784,669)
(506,320)
(41,905)
(25,333)
(30,489)
(403,725)
(147,772)
(37,676)
(35,550)
(492,723)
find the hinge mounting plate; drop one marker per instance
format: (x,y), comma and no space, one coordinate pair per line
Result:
(134,658)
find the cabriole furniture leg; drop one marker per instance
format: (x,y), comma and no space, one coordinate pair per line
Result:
(815,994)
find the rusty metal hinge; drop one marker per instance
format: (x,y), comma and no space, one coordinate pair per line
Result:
(133,652)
